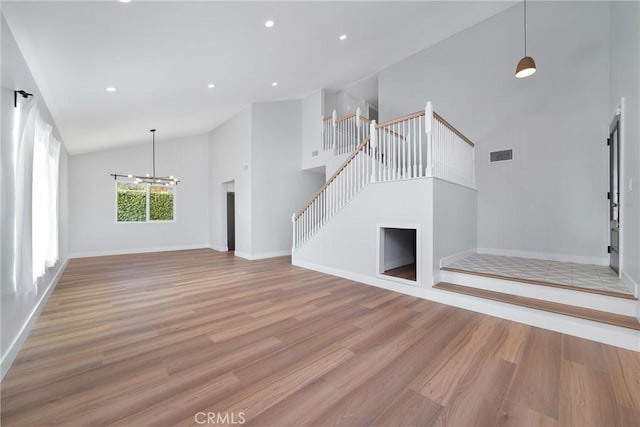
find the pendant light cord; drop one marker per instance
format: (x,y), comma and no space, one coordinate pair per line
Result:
(153,132)
(525,27)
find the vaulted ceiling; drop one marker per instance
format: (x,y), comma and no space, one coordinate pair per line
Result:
(161,56)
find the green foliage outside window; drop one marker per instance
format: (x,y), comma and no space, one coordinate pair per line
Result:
(132,203)
(160,206)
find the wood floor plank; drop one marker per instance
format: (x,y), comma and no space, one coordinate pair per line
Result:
(409,409)
(440,385)
(587,397)
(302,408)
(625,376)
(357,408)
(478,397)
(536,381)
(151,339)
(588,353)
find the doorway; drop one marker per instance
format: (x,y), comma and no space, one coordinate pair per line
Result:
(231,221)
(614,194)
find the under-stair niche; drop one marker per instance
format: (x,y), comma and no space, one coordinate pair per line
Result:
(397,253)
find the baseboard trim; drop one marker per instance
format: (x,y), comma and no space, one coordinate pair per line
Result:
(629,281)
(604,333)
(579,259)
(455,257)
(263,255)
(139,250)
(377,281)
(14,347)
(399,262)
(219,248)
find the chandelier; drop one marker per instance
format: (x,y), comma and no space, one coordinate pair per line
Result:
(150,179)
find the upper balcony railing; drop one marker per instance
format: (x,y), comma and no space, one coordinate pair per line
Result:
(421,144)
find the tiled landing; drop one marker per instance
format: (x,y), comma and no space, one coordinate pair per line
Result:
(586,276)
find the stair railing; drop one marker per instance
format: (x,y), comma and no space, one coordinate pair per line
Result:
(343,135)
(421,144)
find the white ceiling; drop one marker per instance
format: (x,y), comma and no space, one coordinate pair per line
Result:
(161,55)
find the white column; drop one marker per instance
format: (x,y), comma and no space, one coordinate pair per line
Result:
(334,122)
(428,129)
(358,126)
(293,222)
(373,143)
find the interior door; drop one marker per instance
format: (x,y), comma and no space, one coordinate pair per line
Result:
(231,221)
(614,194)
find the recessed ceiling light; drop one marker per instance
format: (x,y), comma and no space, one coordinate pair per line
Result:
(343,37)
(270,23)
(211,85)
(111,89)
(124,1)
(274,84)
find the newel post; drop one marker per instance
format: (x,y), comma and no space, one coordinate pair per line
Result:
(358,126)
(334,122)
(428,128)
(293,222)
(373,143)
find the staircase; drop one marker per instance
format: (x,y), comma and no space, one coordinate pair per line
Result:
(400,153)
(395,150)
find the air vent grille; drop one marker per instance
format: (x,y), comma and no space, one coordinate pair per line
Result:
(499,156)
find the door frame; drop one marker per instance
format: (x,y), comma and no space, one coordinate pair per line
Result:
(618,114)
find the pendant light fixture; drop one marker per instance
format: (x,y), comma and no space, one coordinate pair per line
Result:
(526,66)
(151,179)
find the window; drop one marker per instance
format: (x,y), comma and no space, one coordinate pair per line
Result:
(136,202)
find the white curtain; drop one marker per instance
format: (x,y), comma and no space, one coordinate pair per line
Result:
(18,218)
(46,157)
(30,171)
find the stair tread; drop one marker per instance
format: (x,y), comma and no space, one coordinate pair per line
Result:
(542,283)
(553,307)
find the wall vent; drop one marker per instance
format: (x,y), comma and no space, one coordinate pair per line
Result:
(314,153)
(499,156)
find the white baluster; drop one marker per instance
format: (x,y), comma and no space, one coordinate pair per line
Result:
(373,143)
(428,122)
(405,126)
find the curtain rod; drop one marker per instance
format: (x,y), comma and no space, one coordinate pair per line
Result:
(22,93)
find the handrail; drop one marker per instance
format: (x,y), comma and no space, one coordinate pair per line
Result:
(325,118)
(452,128)
(401,119)
(396,134)
(347,117)
(330,180)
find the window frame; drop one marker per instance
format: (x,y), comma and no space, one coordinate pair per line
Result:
(147,204)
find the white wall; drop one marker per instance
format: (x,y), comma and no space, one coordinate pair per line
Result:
(312,113)
(550,198)
(94,230)
(279,186)
(455,211)
(347,244)
(18,312)
(625,82)
(229,154)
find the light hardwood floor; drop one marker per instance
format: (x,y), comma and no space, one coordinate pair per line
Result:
(153,339)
